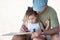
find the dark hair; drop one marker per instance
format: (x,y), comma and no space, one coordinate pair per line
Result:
(30,11)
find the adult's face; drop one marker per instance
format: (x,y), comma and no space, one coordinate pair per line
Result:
(40,12)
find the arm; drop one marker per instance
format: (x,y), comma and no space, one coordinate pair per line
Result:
(48,22)
(52,31)
(41,25)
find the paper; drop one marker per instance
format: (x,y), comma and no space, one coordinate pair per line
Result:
(16,33)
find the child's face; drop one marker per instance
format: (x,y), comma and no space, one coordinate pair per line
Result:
(32,19)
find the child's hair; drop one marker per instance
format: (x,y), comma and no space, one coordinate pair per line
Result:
(30,11)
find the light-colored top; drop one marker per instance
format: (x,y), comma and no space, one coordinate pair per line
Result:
(49,13)
(32,26)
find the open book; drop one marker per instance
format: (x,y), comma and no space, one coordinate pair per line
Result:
(15,33)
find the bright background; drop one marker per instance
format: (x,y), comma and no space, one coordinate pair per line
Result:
(12,12)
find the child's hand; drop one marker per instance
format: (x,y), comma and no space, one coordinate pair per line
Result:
(48,24)
(47,21)
(24,28)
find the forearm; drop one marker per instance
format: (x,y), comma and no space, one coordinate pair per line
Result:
(52,31)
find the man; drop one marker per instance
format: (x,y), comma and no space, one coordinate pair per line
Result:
(45,12)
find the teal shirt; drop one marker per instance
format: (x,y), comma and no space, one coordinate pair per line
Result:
(49,13)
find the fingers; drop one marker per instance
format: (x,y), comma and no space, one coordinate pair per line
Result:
(25,28)
(47,21)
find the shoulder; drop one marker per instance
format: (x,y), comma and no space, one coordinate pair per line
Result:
(51,9)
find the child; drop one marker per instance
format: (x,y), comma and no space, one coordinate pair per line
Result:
(32,25)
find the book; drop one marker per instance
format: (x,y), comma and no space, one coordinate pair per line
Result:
(16,33)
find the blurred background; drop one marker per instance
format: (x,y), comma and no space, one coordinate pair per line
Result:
(12,13)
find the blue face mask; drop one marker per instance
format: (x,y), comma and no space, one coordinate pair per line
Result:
(39,5)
